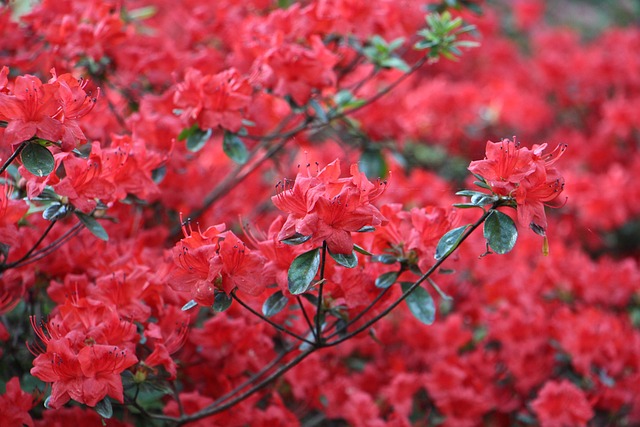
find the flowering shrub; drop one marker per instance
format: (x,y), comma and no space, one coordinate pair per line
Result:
(203,207)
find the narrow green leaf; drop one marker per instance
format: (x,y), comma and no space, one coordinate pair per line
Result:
(234,148)
(420,304)
(349,261)
(92,225)
(221,301)
(104,408)
(449,241)
(311,298)
(500,232)
(189,305)
(470,193)
(466,206)
(384,259)
(386,279)
(197,139)
(296,239)
(274,304)
(302,271)
(366,229)
(37,159)
(362,250)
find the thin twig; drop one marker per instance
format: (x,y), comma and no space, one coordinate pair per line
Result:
(13,155)
(269,321)
(319,306)
(306,317)
(30,251)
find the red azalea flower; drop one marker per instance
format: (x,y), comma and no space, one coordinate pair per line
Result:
(330,208)
(74,103)
(525,174)
(298,71)
(561,404)
(30,110)
(15,405)
(212,261)
(214,100)
(86,376)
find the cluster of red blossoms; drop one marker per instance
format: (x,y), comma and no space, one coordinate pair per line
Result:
(47,110)
(329,208)
(525,175)
(203,106)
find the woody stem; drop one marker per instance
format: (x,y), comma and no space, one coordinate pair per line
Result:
(320,306)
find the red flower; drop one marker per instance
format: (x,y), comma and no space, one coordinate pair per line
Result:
(212,261)
(330,208)
(526,175)
(49,111)
(84,181)
(298,71)
(87,376)
(562,404)
(30,111)
(213,100)
(15,405)
(74,103)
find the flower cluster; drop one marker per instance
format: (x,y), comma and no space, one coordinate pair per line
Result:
(47,110)
(548,341)
(215,261)
(525,175)
(329,208)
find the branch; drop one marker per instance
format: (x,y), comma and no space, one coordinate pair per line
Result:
(13,155)
(417,283)
(269,321)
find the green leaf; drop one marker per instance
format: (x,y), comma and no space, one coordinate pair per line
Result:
(320,113)
(274,304)
(197,139)
(482,200)
(384,259)
(94,226)
(311,298)
(302,271)
(234,148)
(296,239)
(221,301)
(500,232)
(373,164)
(362,250)
(37,159)
(466,206)
(470,193)
(395,62)
(386,279)
(56,211)
(366,229)
(186,132)
(420,304)
(349,261)
(449,241)
(189,305)
(104,408)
